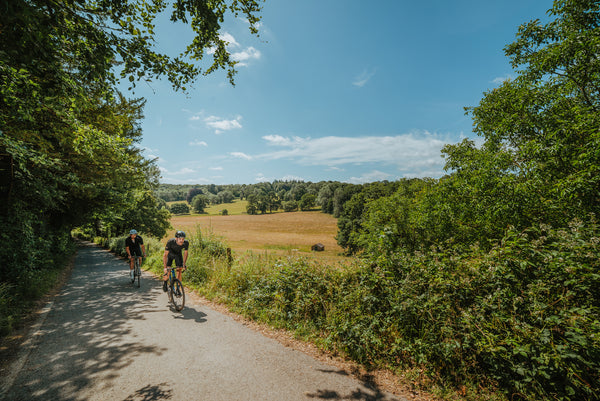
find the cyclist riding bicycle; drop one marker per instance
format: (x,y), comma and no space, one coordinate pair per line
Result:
(174,251)
(134,245)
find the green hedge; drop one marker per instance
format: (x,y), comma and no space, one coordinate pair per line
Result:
(522,318)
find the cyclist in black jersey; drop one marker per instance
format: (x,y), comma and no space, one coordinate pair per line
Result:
(176,250)
(134,245)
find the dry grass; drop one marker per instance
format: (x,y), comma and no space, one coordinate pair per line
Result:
(277,233)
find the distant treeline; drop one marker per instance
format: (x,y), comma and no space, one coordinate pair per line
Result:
(330,196)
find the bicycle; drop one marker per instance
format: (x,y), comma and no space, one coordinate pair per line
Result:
(137,271)
(175,290)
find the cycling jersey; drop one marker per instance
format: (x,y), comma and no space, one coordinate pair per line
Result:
(134,245)
(176,252)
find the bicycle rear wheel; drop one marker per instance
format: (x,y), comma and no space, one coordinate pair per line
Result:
(178,295)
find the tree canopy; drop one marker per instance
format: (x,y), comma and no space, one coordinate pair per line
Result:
(539,162)
(69,139)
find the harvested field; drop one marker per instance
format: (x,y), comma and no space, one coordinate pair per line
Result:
(277,233)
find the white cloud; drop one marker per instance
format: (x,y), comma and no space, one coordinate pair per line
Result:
(362,79)
(370,177)
(183,171)
(198,143)
(412,154)
(216,168)
(278,140)
(501,80)
(220,125)
(291,178)
(260,177)
(240,155)
(227,37)
(250,53)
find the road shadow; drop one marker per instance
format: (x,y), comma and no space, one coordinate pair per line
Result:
(190,314)
(83,337)
(371,391)
(156,392)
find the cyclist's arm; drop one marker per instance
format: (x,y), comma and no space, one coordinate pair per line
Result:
(185,256)
(143,250)
(165,258)
(128,252)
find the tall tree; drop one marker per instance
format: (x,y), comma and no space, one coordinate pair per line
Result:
(63,126)
(542,129)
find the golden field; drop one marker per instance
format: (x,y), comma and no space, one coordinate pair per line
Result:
(276,233)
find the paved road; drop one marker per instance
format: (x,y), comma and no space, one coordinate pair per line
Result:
(101,338)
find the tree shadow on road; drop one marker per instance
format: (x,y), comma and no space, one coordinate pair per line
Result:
(87,334)
(370,392)
(152,392)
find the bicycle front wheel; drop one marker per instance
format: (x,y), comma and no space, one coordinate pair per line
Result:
(178,295)
(170,291)
(138,272)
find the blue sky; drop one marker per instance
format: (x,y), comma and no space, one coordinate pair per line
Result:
(341,90)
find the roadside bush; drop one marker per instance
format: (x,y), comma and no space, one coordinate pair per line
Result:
(6,303)
(525,314)
(522,318)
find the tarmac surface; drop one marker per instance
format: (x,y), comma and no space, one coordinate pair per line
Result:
(102,338)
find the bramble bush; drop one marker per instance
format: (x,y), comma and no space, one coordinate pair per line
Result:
(522,318)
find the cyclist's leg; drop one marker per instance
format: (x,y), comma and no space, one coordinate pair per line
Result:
(170,259)
(134,254)
(179,265)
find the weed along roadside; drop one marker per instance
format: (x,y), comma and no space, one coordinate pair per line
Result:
(424,317)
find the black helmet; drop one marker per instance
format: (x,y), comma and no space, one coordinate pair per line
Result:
(180,234)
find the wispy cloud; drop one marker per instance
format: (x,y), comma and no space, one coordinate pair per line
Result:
(364,77)
(227,37)
(370,177)
(260,177)
(413,154)
(292,178)
(183,171)
(198,143)
(221,125)
(216,168)
(241,56)
(501,80)
(240,155)
(250,53)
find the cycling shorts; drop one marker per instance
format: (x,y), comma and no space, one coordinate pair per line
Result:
(135,252)
(174,257)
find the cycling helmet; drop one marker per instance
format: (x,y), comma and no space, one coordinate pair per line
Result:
(132,232)
(180,234)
